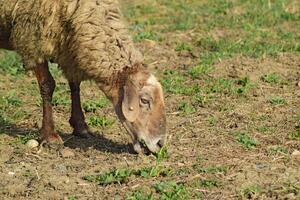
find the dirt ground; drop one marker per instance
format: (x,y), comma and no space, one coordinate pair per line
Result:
(231,145)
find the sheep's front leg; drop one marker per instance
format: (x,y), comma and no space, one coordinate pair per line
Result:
(77,120)
(47,86)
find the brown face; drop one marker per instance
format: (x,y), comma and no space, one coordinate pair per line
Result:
(143,109)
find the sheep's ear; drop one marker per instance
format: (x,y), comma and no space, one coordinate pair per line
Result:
(130,103)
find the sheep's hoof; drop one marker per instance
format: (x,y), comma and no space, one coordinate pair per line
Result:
(82,134)
(53,141)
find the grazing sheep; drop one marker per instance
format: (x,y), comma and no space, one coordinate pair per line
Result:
(89,41)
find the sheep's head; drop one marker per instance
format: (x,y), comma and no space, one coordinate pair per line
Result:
(142,111)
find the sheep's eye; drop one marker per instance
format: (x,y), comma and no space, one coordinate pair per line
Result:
(144,101)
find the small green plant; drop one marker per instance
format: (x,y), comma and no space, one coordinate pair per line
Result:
(276,150)
(186,108)
(198,70)
(71,198)
(139,195)
(156,171)
(295,135)
(210,183)
(22,139)
(266,129)
(272,78)
(171,190)
(212,121)
(183,47)
(246,141)
(162,154)
(211,170)
(251,191)
(92,106)
(11,99)
(100,121)
(11,63)
(147,35)
(277,101)
(115,176)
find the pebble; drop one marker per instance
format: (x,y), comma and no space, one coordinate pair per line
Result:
(67,153)
(296,153)
(32,144)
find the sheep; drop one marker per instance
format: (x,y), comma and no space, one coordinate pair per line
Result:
(89,41)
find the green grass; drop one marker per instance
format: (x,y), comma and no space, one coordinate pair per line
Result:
(23,139)
(272,78)
(210,183)
(11,63)
(100,121)
(276,150)
(295,135)
(115,176)
(276,100)
(251,191)
(93,105)
(211,169)
(246,141)
(170,190)
(139,195)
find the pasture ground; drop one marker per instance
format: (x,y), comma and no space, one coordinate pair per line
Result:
(231,75)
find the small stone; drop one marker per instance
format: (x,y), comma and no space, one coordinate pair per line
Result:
(11,173)
(32,144)
(296,153)
(67,153)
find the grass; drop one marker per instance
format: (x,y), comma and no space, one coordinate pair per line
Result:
(170,190)
(211,169)
(100,121)
(276,100)
(272,78)
(251,191)
(93,105)
(246,141)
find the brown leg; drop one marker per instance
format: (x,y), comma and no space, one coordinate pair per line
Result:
(77,117)
(47,86)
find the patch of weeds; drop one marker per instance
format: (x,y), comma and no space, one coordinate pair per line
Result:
(100,121)
(139,195)
(28,174)
(11,63)
(277,100)
(92,106)
(61,95)
(198,70)
(210,183)
(23,139)
(200,100)
(246,141)
(147,36)
(295,135)
(186,108)
(162,154)
(72,198)
(183,47)
(276,150)
(174,82)
(171,190)
(212,121)
(265,129)
(115,176)
(11,99)
(54,69)
(148,172)
(272,78)
(211,170)
(251,191)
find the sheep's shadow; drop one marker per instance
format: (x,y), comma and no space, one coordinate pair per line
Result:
(96,141)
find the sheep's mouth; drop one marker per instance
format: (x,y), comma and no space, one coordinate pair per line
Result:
(141,146)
